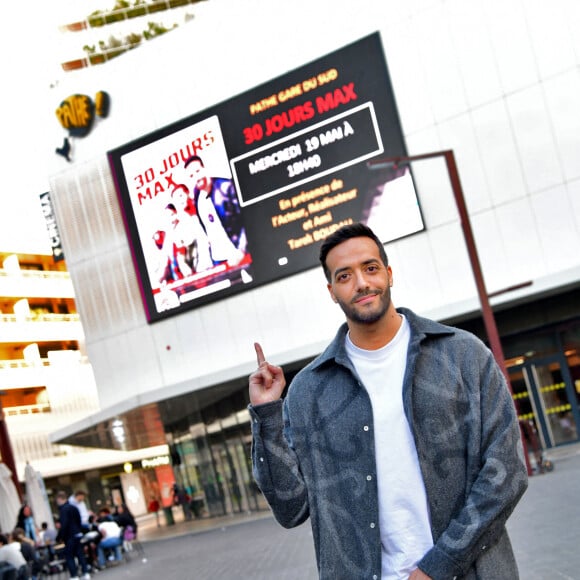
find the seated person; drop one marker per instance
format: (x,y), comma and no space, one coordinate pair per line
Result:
(33,560)
(47,535)
(10,552)
(125,518)
(91,541)
(110,537)
(47,539)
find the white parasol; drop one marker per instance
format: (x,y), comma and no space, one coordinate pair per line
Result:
(9,500)
(37,498)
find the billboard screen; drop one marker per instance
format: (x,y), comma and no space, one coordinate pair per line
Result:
(243,193)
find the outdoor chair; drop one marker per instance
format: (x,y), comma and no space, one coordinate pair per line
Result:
(131,544)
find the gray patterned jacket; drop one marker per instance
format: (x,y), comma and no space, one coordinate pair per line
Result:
(314,456)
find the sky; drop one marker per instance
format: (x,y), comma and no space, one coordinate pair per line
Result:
(30,45)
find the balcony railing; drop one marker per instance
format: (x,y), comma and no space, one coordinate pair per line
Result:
(13,318)
(37,274)
(127,26)
(24,364)
(27,409)
(140,8)
(36,284)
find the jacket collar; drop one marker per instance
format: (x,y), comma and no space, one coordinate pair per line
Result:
(421,328)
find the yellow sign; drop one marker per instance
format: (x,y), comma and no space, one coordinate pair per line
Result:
(77,112)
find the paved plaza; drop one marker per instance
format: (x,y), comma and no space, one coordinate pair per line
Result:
(545,532)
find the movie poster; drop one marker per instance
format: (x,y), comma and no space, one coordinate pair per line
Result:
(244,193)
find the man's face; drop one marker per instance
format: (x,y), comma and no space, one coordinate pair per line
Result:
(359,280)
(197,174)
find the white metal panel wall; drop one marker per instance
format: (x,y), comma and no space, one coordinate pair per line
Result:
(497,81)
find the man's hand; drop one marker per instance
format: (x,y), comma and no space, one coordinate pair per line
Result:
(267,382)
(419,575)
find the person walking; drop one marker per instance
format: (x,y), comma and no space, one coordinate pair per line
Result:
(70,532)
(153,508)
(400,441)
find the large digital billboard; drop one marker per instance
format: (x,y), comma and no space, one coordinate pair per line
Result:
(243,193)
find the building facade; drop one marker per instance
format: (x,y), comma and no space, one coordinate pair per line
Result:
(496,82)
(47,382)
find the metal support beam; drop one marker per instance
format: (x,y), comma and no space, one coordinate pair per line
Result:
(486,310)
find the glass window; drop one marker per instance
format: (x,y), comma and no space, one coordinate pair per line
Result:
(571,346)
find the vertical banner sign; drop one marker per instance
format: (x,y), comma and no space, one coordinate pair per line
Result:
(243,193)
(51,226)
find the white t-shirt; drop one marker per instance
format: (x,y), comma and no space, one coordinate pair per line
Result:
(109,529)
(12,554)
(82,507)
(403,509)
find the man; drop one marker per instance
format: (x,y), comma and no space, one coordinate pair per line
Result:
(11,553)
(78,499)
(48,539)
(111,537)
(47,535)
(216,205)
(34,562)
(70,532)
(400,441)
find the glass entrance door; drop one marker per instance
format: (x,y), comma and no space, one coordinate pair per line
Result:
(231,456)
(526,406)
(544,394)
(554,394)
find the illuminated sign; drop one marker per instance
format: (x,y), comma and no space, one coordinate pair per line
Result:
(155,462)
(243,193)
(77,114)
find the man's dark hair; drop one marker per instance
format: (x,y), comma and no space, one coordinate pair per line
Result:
(356,230)
(192,159)
(3,539)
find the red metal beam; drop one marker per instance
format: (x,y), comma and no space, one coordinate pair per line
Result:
(486,310)
(6,452)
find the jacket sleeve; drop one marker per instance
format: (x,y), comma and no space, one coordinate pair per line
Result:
(275,465)
(501,481)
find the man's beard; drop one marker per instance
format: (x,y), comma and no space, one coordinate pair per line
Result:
(362,316)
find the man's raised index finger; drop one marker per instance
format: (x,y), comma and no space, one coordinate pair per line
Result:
(259,353)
